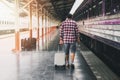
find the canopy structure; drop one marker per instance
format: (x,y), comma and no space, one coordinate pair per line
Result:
(57,8)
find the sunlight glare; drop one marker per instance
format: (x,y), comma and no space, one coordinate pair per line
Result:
(75,6)
(5,11)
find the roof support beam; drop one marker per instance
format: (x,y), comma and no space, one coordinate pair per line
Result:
(53,3)
(65,2)
(26,5)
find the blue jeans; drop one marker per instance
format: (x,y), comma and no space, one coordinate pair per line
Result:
(69,47)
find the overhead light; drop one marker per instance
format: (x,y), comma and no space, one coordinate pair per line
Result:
(75,6)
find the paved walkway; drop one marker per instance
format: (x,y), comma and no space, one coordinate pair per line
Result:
(39,65)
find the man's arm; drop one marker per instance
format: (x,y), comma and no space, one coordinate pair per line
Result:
(61,35)
(77,33)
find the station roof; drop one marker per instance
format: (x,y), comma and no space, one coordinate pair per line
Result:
(57,8)
(86,4)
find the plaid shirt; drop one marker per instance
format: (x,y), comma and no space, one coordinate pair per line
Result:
(69,31)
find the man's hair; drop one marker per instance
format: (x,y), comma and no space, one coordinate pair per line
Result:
(69,16)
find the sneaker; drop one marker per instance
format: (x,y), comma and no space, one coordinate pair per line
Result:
(72,66)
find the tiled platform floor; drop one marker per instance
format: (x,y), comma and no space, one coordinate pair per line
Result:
(40,66)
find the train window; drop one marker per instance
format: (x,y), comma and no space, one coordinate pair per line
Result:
(116,6)
(107,6)
(95,8)
(112,6)
(99,9)
(94,11)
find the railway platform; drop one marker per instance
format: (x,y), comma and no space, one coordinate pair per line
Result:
(28,24)
(39,65)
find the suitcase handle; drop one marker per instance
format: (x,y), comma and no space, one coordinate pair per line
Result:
(59,47)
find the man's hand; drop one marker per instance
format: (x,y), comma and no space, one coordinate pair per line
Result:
(61,41)
(78,40)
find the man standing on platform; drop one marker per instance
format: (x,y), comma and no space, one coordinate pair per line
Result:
(69,35)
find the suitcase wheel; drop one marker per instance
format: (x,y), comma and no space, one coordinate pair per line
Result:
(56,66)
(60,67)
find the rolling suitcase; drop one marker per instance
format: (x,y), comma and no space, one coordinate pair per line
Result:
(59,59)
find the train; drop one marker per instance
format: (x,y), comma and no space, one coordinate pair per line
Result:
(99,25)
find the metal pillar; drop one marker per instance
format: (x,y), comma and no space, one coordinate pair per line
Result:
(17,34)
(45,25)
(30,21)
(37,11)
(103,7)
(88,14)
(47,29)
(37,21)
(41,20)
(50,25)
(42,27)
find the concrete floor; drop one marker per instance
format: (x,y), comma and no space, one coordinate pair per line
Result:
(39,65)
